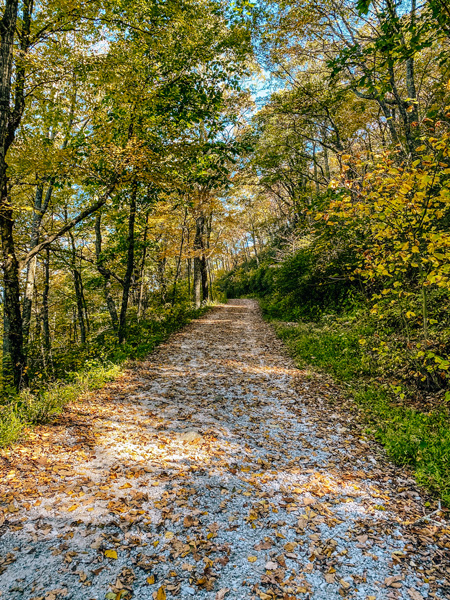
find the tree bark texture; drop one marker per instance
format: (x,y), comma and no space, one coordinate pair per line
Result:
(105,273)
(130,265)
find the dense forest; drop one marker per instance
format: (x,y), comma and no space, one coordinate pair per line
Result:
(119,126)
(346,192)
(225,299)
(160,156)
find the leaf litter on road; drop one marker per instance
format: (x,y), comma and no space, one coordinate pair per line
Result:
(214,469)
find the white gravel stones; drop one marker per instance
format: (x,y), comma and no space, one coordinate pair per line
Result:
(213,477)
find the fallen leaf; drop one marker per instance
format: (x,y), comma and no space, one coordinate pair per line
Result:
(345,584)
(151,579)
(329,577)
(393,581)
(252,559)
(161,593)
(111,554)
(271,566)
(415,595)
(263,545)
(189,521)
(362,539)
(290,546)
(222,593)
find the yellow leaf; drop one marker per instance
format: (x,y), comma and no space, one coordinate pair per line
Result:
(125,486)
(151,579)
(111,554)
(290,546)
(252,559)
(169,535)
(161,593)
(74,507)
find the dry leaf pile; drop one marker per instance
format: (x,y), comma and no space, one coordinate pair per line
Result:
(214,470)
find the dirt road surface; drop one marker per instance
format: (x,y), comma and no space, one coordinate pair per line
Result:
(214,469)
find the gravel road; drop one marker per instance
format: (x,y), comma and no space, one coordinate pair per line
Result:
(212,470)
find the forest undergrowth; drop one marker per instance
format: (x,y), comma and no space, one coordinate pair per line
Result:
(328,327)
(84,370)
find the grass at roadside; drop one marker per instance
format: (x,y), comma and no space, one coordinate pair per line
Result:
(41,405)
(410,436)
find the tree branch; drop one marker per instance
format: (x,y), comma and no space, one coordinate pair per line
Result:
(67,227)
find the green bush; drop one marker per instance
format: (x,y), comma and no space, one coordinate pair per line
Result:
(410,436)
(301,286)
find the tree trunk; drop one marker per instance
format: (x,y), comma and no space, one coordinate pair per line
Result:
(130,265)
(204,273)
(177,270)
(211,297)
(14,345)
(161,266)
(188,266)
(13,356)
(105,273)
(78,285)
(199,263)
(79,300)
(40,208)
(255,249)
(45,313)
(142,270)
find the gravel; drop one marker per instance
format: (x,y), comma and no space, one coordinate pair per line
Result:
(206,471)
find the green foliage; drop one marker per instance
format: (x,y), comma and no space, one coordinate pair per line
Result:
(301,286)
(410,436)
(334,348)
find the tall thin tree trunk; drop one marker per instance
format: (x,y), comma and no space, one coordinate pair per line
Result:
(45,312)
(14,346)
(326,161)
(189,277)
(78,285)
(142,270)
(210,289)
(85,307)
(177,270)
(199,265)
(14,358)
(188,263)
(79,300)
(204,273)
(255,249)
(40,208)
(316,175)
(161,267)
(111,305)
(130,265)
